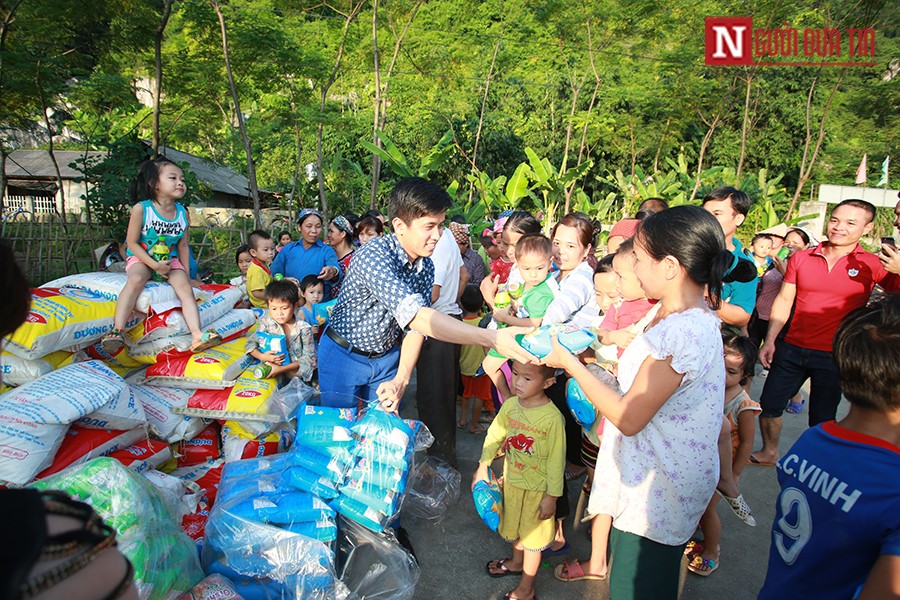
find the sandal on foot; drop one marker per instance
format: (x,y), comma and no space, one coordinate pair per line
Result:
(693,548)
(571,570)
(477,429)
(795,407)
(740,507)
(208,339)
(113,341)
(548,552)
(702,566)
(508,596)
(499,565)
(760,463)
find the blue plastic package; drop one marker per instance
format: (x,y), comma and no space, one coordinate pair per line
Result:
(382,500)
(371,448)
(322,311)
(540,341)
(272,342)
(360,513)
(333,466)
(304,479)
(386,429)
(388,477)
(324,530)
(488,502)
(289,507)
(323,426)
(582,409)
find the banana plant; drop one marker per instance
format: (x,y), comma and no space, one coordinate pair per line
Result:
(400,165)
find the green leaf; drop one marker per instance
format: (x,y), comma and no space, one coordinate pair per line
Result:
(541,173)
(517,186)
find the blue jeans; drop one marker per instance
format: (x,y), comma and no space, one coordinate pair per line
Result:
(344,375)
(791,367)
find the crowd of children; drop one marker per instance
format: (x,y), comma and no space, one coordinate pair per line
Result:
(669,381)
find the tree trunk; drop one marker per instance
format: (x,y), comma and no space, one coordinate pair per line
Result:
(659,148)
(487,88)
(291,212)
(376,160)
(807,167)
(8,18)
(61,208)
(157,90)
(744,127)
(354,9)
(248,149)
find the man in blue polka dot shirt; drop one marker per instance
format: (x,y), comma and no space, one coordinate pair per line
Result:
(386,294)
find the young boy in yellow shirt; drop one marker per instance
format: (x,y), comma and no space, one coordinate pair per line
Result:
(262,249)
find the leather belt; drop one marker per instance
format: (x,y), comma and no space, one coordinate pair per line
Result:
(346,345)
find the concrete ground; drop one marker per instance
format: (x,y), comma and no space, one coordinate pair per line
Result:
(452,554)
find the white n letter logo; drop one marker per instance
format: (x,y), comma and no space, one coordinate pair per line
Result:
(735,44)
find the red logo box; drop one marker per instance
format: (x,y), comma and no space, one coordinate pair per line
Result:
(728,40)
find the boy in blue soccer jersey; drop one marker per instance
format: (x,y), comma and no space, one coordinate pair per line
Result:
(837,527)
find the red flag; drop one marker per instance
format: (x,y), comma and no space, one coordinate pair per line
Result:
(861,171)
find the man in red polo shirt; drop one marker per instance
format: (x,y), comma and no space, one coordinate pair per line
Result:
(823,285)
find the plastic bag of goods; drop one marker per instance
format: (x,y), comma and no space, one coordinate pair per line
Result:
(34,417)
(488,501)
(110,285)
(432,488)
(63,319)
(238,443)
(213,587)
(217,367)
(540,341)
(158,403)
(268,559)
(583,410)
(164,558)
(170,322)
(374,565)
(325,427)
(183,496)
(81,444)
(384,441)
(15,370)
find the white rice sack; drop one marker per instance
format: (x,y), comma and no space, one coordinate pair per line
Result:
(110,285)
(124,412)
(63,319)
(229,326)
(168,321)
(34,417)
(19,371)
(158,403)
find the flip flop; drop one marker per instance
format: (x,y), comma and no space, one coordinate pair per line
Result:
(547,552)
(508,596)
(795,407)
(208,340)
(571,570)
(501,565)
(760,463)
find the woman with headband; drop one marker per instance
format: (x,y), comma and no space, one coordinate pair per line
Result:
(340,237)
(309,255)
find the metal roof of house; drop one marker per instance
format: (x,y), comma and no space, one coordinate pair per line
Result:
(36,165)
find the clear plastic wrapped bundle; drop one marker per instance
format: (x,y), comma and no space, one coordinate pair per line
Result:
(373,565)
(270,539)
(432,488)
(148,529)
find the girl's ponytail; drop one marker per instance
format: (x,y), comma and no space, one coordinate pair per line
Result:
(721,263)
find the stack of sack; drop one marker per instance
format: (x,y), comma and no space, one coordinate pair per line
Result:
(200,444)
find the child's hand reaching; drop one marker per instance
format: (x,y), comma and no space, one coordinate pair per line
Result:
(501,315)
(547,507)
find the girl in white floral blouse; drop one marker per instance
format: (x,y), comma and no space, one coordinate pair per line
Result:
(658,463)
